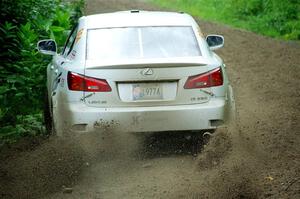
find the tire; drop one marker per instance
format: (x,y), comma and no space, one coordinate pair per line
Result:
(48,116)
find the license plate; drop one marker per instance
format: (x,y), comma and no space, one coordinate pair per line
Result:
(147,92)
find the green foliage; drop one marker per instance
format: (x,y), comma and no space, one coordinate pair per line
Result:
(274,18)
(22,68)
(31,124)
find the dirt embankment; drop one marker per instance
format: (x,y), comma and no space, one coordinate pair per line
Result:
(256,157)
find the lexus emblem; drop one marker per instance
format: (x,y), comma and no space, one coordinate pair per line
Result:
(147,71)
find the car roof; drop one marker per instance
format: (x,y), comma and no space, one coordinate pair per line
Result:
(137,18)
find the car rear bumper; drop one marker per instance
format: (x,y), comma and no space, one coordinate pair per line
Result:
(79,118)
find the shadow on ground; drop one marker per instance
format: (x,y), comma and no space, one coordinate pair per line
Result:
(164,144)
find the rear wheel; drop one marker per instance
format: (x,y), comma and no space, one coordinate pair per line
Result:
(48,117)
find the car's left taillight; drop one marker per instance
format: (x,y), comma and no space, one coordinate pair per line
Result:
(77,82)
(205,80)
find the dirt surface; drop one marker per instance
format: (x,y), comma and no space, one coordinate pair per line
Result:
(256,157)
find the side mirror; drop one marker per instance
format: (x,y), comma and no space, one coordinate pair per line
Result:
(47,47)
(215,41)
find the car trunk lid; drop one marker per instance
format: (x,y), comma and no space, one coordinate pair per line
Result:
(146,84)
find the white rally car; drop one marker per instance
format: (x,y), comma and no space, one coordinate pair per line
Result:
(136,71)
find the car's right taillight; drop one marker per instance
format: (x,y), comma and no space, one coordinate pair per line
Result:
(204,80)
(77,82)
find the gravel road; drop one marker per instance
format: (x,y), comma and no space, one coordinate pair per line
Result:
(256,157)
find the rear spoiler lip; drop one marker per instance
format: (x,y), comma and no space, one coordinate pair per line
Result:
(153,63)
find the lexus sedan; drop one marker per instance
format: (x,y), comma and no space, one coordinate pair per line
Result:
(136,71)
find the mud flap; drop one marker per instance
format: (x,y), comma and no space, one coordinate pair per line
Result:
(56,115)
(230,111)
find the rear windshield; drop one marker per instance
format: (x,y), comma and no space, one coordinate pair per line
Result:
(109,44)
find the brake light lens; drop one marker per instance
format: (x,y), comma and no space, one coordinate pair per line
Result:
(209,79)
(77,82)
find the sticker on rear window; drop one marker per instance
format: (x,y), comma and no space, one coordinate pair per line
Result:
(79,35)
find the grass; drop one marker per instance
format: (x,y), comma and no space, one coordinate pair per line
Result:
(279,19)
